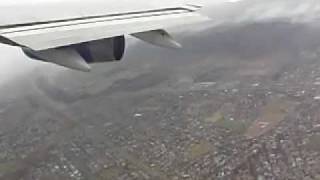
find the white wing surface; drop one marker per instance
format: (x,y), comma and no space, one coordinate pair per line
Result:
(48,25)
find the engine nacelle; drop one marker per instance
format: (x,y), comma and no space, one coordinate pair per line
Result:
(111,49)
(78,56)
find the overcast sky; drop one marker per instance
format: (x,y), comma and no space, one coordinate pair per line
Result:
(221,11)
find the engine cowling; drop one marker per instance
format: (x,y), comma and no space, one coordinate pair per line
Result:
(78,56)
(111,49)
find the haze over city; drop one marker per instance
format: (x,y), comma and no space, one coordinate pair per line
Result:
(239,101)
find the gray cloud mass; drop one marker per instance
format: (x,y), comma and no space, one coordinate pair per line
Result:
(223,13)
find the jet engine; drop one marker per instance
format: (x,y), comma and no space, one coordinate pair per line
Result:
(79,56)
(105,50)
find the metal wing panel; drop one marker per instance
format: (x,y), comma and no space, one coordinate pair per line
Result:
(13,12)
(57,34)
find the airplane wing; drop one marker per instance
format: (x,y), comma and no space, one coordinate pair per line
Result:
(44,26)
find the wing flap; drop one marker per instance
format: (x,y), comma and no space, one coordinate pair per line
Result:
(41,36)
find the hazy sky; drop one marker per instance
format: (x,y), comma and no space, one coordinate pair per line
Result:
(221,11)
(13,62)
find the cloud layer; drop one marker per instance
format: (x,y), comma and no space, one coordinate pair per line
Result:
(247,11)
(222,12)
